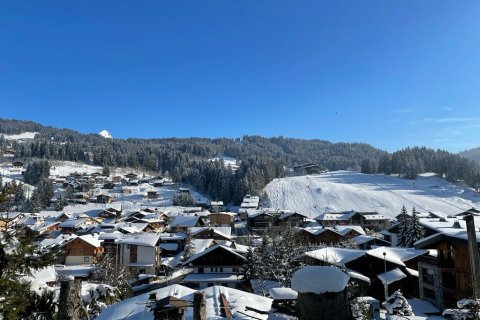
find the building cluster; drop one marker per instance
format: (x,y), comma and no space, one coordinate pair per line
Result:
(204,248)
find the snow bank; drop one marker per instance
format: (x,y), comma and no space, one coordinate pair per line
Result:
(318,279)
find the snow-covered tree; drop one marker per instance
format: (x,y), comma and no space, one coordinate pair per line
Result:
(415,230)
(18,257)
(397,304)
(404,221)
(114,274)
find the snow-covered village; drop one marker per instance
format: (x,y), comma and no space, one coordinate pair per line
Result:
(92,242)
(256,160)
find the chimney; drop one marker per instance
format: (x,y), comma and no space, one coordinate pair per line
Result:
(474,255)
(199,306)
(70,305)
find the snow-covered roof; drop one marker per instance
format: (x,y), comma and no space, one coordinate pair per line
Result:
(132,227)
(92,239)
(336,256)
(72,223)
(222,231)
(140,239)
(58,241)
(215,247)
(319,279)
(343,230)
(200,245)
(391,276)
(184,221)
(357,275)
(242,304)
(362,239)
(213,277)
(134,308)
(75,271)
(283,294)
(396,255)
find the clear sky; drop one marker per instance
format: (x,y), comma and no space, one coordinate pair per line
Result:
(389,73)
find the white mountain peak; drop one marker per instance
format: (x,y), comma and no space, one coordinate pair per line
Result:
(105,134)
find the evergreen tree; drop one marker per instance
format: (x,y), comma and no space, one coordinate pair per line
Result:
(251,267)
(415,229)
(404,222)
(106,171)
(18,257)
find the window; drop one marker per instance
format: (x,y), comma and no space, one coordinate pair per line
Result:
(86,259)
(221,269)
(200,270)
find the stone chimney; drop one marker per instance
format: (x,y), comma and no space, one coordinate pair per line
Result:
(199,306)
(70,306)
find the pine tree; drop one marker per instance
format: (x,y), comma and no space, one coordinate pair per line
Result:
(415,230)
(106,171)
(18,257)
(404,221)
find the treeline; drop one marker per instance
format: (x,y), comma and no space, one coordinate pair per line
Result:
(261,159)
(410,162)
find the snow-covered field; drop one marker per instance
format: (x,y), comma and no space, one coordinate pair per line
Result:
(346,190)
(21,136)
(64,168)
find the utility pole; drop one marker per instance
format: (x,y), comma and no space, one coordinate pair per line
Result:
(385,284)
(474,255)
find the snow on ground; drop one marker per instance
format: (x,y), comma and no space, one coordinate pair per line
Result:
(21,136)
(227,161)
(346,190)
(64,168)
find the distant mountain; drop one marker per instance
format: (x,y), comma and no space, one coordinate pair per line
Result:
(105,134)
(472,154)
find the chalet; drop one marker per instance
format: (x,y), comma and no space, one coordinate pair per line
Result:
(104,198)
(131,227)
(371,220)
(131,176)
(397,267)
(222,219)
(111,212)
(317,235)
(293,218)
(73,225)
(350,231)
(249,203)
(177,239)
(17,165)
(182,223)
(366,242)
(83,250)
(216,206)
(216,233)
(445,274)
(217,265)
(260,221)
(140,252)
(110,244)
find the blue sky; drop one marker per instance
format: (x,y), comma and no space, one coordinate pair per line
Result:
(388,73)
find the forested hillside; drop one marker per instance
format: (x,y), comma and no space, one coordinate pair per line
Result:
(472,154)
(261,159)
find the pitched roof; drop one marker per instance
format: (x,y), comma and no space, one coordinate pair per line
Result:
(213,248)
(396,255)
(140,239)
(336,256)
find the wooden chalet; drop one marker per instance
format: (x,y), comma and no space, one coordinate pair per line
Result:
(85,249)
(445,277)
(217,265)
(222,219)
(370,220)
(318,235)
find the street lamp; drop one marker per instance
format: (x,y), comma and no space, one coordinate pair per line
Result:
(385,283)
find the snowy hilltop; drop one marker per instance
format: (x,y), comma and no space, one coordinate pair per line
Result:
(105,134)
(347,190)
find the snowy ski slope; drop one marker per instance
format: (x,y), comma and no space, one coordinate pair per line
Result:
(347,190)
